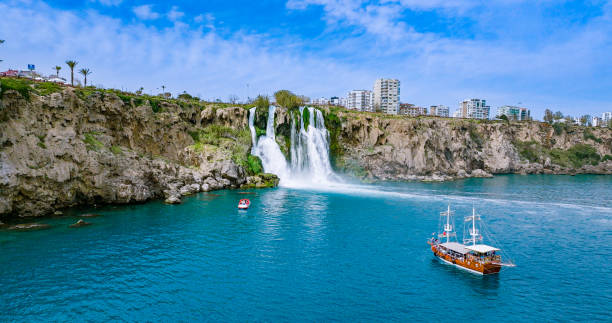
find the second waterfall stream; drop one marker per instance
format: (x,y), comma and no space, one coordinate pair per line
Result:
(309,163)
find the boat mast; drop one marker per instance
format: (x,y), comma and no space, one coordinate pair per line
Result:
(448,228)
(473,226)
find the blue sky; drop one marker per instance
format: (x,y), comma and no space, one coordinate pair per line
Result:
(541,54)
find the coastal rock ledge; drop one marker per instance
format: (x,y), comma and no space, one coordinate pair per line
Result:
(85,147)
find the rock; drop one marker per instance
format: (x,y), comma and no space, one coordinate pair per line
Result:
(79,223)
(29,226)
(480,173)
(89,215)
(173,198)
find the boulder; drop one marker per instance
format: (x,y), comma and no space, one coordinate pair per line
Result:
(480,173)
(79,223)
(29,226)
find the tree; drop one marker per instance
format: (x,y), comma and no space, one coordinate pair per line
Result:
(185,96)
(558,115)
(585,120)
(57,69)
(139,91)
(85,72)
(71,64)
(262,102)
(504,118)
(288,100)
(1,42)
(548,116)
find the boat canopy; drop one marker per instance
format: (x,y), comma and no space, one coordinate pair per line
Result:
(456,247)
(481,248)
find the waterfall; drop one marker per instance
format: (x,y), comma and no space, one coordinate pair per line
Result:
(309,150)
(267,149)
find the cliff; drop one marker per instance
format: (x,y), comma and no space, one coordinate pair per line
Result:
(64,147)
(383,147)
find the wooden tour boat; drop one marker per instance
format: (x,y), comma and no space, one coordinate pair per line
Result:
(471,255)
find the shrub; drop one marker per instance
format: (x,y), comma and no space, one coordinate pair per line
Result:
(19,85)
(262,102)
(155,105)
(254,165)
(116,150)
(91,142)
(529,150)
(589,135)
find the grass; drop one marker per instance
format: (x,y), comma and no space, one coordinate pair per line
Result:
(46,88)
(116,150)
(91,143)
(41,142)
(20,85)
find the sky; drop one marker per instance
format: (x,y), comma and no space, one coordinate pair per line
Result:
(539,54)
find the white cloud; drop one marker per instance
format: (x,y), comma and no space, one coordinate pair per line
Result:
(132,55)
(145,12)
(207,20)
(569,71)
(108,2)
(174,14)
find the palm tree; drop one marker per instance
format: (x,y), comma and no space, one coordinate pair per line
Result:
(85,72)
(57,69)
(1,41)
(71,64)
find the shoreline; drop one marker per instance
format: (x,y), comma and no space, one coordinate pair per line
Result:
(71,211)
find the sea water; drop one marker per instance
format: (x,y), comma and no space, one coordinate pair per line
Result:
(348,253)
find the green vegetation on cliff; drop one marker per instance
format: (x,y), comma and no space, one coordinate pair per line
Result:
(234,142)
(576,156)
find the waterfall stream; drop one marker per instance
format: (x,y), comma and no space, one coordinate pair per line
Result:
(309,150)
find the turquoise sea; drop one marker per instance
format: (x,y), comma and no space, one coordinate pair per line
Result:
(338,254)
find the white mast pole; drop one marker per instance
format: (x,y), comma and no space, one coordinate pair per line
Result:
(448,224)
(473,226)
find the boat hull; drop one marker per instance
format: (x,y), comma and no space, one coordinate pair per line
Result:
(466,264)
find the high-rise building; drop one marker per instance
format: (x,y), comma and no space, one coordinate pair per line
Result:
(360,100)
(411,110)
(334,100)
(606,117)
(386,95)
(514,113)
(597,122)
(474,109)
(439,110)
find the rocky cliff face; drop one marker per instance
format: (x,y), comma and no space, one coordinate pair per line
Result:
(403,148)
(64,149)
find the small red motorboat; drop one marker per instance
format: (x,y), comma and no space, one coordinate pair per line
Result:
(244,204)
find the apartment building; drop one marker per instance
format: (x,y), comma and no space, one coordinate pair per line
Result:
(360,100)
(514,113)
(439,110)
(412,110)
(474,109)
(386,95)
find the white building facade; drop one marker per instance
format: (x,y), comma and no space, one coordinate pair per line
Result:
(605,118)
(514,113)
(386,95)
(439,110)
(474,109)
(360,100)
